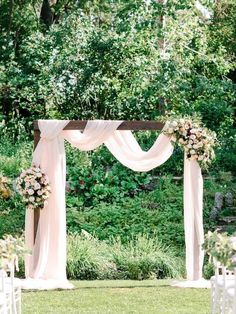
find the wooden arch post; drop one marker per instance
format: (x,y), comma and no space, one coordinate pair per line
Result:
(80,125)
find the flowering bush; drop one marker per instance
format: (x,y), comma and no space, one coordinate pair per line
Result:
(221,247)
(5,191)
(198,142)
(11,248)
(34,187)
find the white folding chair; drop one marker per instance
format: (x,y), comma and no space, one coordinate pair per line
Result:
(5,298)
(222,280)
(11,290)
(230,297)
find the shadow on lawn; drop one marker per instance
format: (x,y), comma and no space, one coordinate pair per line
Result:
(101,287)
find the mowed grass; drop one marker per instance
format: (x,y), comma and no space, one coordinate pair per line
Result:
(118,297)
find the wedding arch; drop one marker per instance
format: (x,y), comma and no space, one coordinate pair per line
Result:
(46,232)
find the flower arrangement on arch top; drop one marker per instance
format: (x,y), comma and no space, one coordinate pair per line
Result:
(198,142)
(34,187)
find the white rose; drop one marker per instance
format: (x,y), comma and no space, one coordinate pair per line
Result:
(189,146)
(39,175)
(181,121)
(170,130)
(174,123)
(39,192)
(30,192)
(166,125)
(192,152)
(200,157)
(181,141)
(193,136)
(31,199)
(37,186)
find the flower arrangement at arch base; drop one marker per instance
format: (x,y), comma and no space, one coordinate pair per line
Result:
(11,248)
(221,247)
(197,141)
(33,185)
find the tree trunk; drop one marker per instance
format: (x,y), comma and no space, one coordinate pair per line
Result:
(161,44)
(47,15)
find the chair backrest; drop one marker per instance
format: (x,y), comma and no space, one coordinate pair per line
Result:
(223,271)
(3,275)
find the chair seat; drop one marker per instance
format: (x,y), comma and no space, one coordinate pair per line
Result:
(231,292)
(229,280)
(2,298)
(16,282)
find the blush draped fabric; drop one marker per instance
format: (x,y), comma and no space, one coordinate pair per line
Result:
(46,267)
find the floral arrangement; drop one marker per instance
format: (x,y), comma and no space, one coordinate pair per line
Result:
(33,185)
(198,142)
(11,248)
(221,247)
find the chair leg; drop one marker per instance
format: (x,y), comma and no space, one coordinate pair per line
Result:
(214,298)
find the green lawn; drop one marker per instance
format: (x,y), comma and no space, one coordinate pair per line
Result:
(117,297)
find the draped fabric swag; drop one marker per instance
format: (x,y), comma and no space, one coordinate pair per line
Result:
(46,267)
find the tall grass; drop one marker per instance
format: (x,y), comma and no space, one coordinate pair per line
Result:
(88,258)
(144,257)
(141,258)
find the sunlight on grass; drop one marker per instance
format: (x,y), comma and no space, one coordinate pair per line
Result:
(117,297)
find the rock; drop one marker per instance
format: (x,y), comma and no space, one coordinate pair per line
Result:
(218,200)
(229,200)
(214,213)
(68,189)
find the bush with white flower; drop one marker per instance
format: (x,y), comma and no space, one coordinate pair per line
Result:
(33,185)
(198,142)
(221,247)
(11,248)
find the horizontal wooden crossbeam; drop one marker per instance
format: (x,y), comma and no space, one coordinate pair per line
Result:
(125,125)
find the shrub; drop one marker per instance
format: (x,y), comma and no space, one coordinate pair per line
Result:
(142,257)
(157,212)
(88,258)
(12,215)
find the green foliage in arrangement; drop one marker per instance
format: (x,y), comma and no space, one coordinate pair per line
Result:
(220,247)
